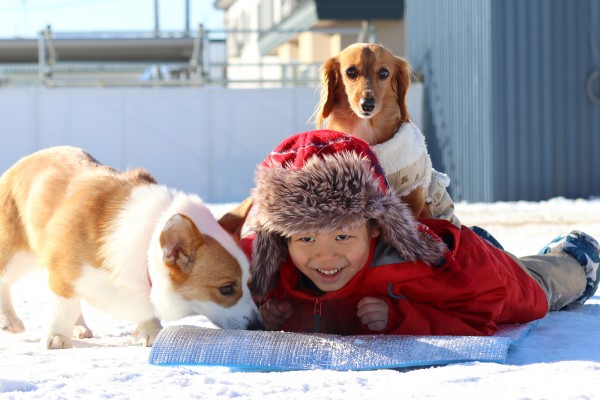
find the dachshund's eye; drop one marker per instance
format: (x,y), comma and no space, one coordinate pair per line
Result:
(351,72)
(383,73)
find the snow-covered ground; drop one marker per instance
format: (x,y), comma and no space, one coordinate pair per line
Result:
(559,359)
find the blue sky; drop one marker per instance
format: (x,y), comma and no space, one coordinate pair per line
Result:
(25,18)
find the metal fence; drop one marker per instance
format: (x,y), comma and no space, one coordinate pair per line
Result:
(58,59)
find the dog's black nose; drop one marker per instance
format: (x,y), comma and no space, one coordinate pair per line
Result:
(256,325)
(367,104)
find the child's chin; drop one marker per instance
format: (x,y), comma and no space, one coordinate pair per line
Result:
(330,285)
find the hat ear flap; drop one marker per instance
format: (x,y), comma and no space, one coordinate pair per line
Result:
(399,228)
(269,250)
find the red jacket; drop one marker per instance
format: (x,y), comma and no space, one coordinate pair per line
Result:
(478,288)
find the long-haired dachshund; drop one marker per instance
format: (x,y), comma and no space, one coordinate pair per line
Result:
(363,93)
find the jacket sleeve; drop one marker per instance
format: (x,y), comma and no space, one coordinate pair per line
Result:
(406,318)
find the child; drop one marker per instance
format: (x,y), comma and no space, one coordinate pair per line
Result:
(334,251)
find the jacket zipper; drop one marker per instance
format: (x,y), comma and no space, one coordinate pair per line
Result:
(317,315)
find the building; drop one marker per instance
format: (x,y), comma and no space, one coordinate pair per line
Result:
(512,93)
(281,41)
(265,43)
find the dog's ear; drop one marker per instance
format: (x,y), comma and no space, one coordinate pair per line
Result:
(179,241)
(233,220)
(329,77)
(401,81)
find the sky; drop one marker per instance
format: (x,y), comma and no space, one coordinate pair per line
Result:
(25,18)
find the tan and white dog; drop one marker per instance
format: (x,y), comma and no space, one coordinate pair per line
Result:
(138,250)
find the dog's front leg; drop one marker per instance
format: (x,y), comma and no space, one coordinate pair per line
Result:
(65,312)
(8,318)
(146,332)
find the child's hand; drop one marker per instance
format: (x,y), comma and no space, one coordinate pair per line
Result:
(275,313)
(373,312)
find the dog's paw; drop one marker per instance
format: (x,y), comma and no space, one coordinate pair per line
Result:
(146,338)
(55,341)
(82,332)
(11,323)
(146,332)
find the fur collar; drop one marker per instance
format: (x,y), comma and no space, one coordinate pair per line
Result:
(402,150)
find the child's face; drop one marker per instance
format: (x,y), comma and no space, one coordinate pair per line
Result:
(330,260)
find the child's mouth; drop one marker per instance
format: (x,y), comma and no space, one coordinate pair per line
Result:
(329,273)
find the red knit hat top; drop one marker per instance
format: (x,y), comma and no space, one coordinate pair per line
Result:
(297,149)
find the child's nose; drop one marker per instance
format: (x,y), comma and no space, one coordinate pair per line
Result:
(325,253)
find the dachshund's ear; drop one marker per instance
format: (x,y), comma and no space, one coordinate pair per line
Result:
(233,221)
(329,77)
(401,83)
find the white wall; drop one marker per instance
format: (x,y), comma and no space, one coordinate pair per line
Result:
(204,140)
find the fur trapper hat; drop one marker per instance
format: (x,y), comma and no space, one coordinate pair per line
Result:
(320,181)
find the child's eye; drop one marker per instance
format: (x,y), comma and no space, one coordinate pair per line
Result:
(306,239)
(342,237)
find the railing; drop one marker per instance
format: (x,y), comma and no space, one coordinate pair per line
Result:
(191,72)
(203,61)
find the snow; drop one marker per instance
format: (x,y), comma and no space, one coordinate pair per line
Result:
(559,359)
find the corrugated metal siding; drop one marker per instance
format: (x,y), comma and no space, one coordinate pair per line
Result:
(448,42)
(548,128)
(506,85)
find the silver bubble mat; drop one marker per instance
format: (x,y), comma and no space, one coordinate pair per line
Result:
(243,350)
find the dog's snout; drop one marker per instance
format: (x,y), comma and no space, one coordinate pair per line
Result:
(367,104)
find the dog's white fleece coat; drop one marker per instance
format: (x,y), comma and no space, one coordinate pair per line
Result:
(407,166)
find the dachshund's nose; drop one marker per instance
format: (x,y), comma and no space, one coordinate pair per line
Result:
(367,104)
